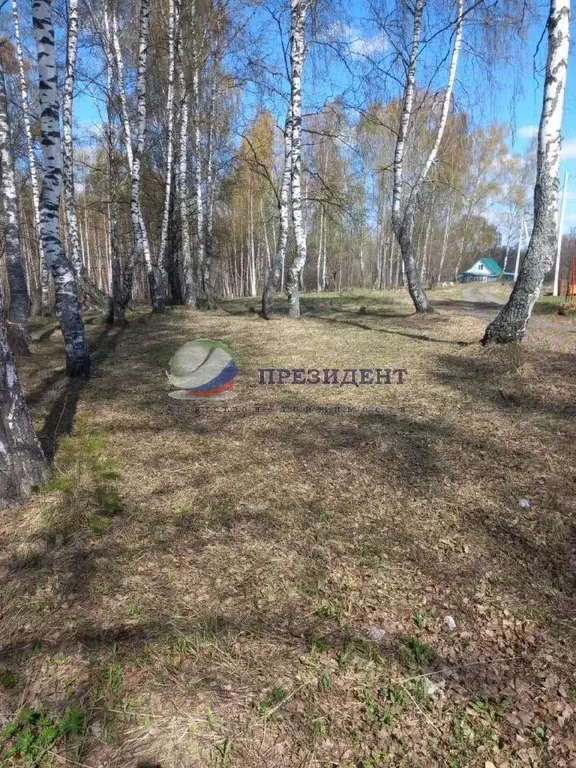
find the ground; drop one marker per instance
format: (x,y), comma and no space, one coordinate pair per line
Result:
(391,584)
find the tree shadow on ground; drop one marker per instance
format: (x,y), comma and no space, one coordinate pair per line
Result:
(368,498)
(364,304)
(466,306)
(60,418)
(416,336)
(493,379)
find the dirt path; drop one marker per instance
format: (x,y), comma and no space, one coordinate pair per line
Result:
(479,298)
(484,302)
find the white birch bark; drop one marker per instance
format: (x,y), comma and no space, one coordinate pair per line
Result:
(83,280)
(298,22)
(324,273)
(77,353)
(116,272)
(18,309)
(189,292)
(22,463)
(44,280)
(403,215)
(276,273)
(141,245)
(203,274)
(424,265)
(67,149)
(447,225)
(210,188)
(319,249)
(170,138)
(512,321)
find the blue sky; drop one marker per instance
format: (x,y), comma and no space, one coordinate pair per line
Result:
(528,107)
(515,97)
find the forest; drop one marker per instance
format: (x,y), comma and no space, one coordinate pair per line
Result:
(206,125)
(370,199)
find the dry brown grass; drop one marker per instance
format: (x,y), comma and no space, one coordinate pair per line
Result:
(213,604)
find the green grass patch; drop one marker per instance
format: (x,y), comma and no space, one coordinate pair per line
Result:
(34,732)
(271,700)
(416,654)
(8,680)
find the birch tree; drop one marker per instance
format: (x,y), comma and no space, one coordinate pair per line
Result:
(210,183)
(277,269)
(77,353)
(22,463)
(187,268)
(203,271)
(512,321)
(405,206)
(112,175)
(297,53)
(141,245)
(44,280)
(170,137)
(18,309)
(86,285)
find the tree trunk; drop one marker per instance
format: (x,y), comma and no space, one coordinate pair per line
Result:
(403,216)
(116,281)
(438,276)
(170,145)
(22,463)
(319,250)
(424,266)
(18,310)
(512,321)
(203,272)
(141,245)
(77,353)
(252,269)
(324,271)
(210,189)
(188,278)
(44,279)
(85,284)
(298,21)
(275,274)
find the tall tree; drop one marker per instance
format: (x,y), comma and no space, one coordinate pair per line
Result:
(44,281)
(141,244)
(512,321)
(18,308)
(22,463)
(405,207)
(203,271)
(297,54)
(86,285)
(210,182)
(112,174)
(77,353)
(187,269)
(170,138)
(275,273)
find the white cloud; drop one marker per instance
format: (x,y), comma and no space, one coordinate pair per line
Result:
(569,149)
(368,46)
(352,38)
(527,131)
